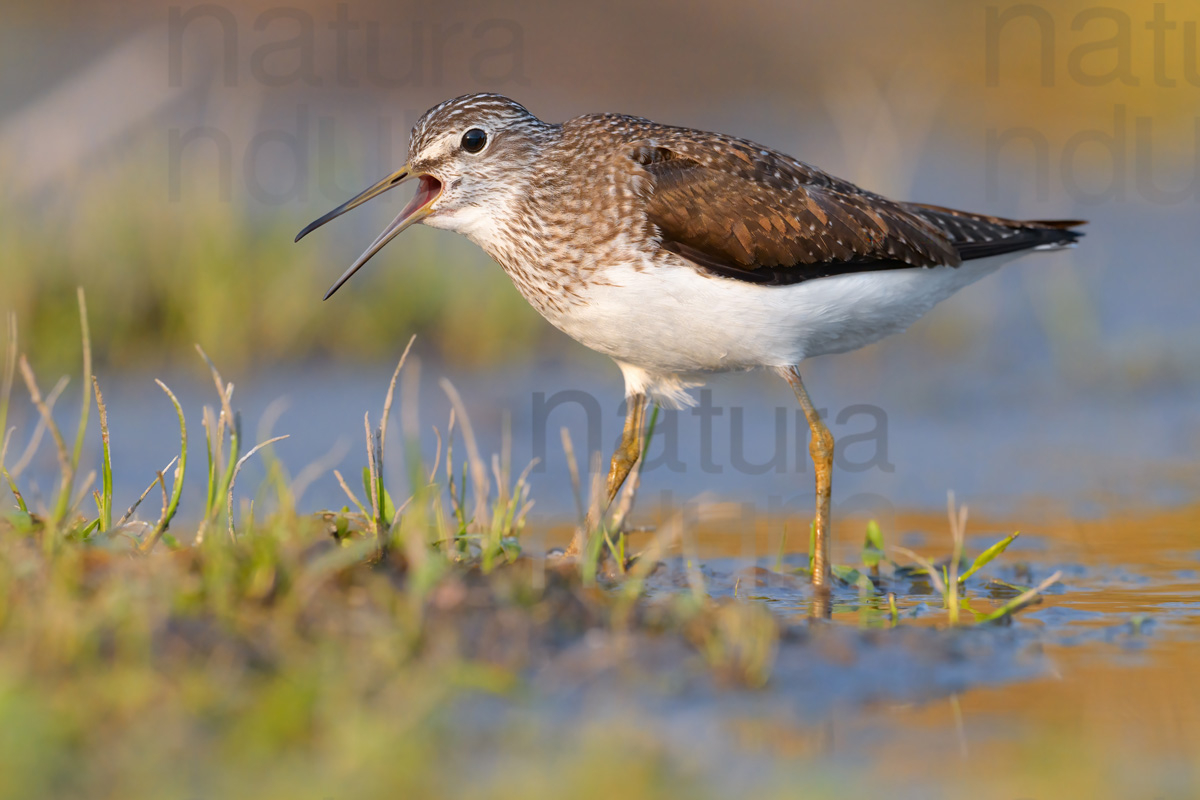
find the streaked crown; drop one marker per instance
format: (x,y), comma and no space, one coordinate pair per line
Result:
(492,112)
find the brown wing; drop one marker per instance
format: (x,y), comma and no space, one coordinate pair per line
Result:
(749,213)
(746,212)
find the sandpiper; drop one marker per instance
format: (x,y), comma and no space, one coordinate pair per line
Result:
(681,253)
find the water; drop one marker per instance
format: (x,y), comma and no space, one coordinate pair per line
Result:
(1090,693)
(910,427)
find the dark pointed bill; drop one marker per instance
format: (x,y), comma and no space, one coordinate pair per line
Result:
(417,209)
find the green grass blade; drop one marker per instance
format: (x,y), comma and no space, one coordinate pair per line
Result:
(85,412)
(368,488)
(650,429)
(1026,598)
(872,552)
(62,503)
(67,475)
(106,481)
(812,543)
(180,470)
(12,485)
(233,478)
(5,439)
(346,488)
(235,436)
(9,374)
(987,556)
(228,417)
(210,491)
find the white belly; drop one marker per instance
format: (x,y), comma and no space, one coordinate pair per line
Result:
(673,320)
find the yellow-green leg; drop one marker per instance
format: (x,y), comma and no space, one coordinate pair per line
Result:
(628,451)
(821,449)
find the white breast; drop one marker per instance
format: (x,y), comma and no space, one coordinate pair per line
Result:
(672,321)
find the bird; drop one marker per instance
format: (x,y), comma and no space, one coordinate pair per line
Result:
(682,253)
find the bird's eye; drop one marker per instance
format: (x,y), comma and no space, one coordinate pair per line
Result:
(474,140)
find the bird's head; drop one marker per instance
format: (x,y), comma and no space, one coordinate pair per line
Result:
(466,155)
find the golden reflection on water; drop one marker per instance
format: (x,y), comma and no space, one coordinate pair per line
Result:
(1117,715)
(1109,721)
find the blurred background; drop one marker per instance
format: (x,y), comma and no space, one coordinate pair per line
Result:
(163,156)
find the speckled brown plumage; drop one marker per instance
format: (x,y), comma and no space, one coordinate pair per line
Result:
(561,206)
(747,212)
(730,207)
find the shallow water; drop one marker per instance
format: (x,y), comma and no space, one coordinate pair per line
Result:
(1090,693)
(1024,437)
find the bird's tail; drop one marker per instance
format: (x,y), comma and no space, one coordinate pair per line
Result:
(981,236)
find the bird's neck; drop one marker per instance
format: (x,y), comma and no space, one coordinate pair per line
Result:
(495,227)
(550,227)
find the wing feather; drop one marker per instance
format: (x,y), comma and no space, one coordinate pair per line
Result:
(742,211)
(757,215)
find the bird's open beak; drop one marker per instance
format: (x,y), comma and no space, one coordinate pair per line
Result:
(417,209)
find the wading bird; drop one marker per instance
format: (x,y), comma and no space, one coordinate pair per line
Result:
(681,253)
